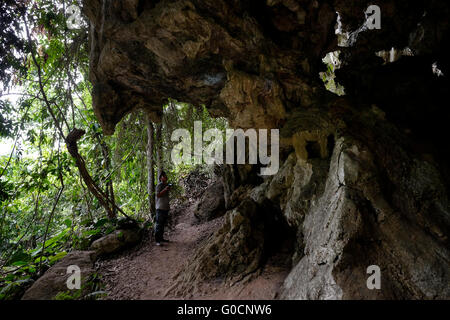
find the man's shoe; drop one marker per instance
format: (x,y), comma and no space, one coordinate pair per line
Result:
(158,244)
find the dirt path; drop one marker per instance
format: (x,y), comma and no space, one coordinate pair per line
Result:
(146,272)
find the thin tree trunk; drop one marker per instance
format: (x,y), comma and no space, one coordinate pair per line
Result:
(159,148)
(150,167)
(109,183)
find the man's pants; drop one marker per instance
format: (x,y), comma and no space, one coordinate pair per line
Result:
(161,220)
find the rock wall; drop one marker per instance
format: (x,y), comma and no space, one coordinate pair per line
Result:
(364,178)
(354,225)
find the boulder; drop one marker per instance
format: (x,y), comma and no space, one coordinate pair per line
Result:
(54,279)
(116,241)
(212,202)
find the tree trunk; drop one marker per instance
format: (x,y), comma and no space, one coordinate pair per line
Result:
(150,167)
(71,143)
(159,148)
(109,183)
(112,214)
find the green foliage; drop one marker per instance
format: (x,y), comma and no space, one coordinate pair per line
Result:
(183,115)
(90,290)
(12,47)
(32,178)
(6,125)
(14,289)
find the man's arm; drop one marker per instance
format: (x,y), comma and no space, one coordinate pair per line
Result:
(163,192)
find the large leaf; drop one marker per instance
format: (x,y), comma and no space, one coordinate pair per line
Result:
(20,256)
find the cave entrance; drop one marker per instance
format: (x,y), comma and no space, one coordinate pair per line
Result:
(280,238)
(313,149)
(330,145)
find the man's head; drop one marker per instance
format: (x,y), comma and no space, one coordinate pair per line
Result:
(162,177)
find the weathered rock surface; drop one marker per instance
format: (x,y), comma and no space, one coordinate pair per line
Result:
(54,279)
(116,241)
(243,233)
(250,233)
(212,203)
(355,224)
(206,52)
(364,178)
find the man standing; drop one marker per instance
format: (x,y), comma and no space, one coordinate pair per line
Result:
(162,207)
